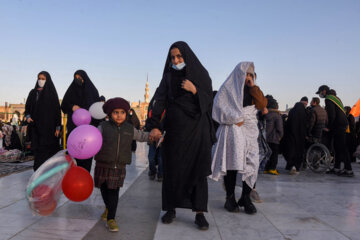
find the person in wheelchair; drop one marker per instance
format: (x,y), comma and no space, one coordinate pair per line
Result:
(318,120)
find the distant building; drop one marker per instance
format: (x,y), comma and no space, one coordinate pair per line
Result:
(141,108)
(7,111)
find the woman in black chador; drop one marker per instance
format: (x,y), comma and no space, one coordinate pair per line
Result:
(185,92)
(81,94)
(42,111)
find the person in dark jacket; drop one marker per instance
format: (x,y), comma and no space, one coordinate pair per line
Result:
(43,115)
(114,155)
(274,133)
(81,94)
(133,120)
(337,125)
(154,154)
(318,120)
(351,134)
(294,136)
(185,91)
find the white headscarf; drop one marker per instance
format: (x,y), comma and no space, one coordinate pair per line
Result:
(228,102)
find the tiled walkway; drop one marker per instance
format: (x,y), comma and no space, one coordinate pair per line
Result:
(306,206)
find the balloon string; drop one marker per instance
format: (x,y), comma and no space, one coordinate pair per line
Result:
(45,176)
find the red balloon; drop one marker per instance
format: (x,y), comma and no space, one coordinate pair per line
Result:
(43,196)
(77,184)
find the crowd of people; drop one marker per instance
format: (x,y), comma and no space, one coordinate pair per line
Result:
(194,133)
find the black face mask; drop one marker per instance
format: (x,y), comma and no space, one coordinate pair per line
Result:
(78,81)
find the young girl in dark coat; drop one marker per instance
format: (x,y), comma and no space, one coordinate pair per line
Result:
(115,154)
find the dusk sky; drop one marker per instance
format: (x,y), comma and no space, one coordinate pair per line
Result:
(296,45)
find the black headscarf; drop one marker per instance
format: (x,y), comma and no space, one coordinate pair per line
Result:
(44,106)
(83,96)
(194,71)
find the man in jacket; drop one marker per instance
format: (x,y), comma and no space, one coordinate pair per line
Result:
(337,125)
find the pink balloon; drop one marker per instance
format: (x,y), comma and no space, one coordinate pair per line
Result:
(81,117)
(84,142)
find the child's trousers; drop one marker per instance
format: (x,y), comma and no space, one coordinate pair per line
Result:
(111,198)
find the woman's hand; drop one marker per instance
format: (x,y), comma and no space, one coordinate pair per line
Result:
(29,120)
(75,107)
(57,133)
(188,86)
(155,135)
(240,124)
(264,111)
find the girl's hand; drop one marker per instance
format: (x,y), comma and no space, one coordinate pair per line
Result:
(188,86)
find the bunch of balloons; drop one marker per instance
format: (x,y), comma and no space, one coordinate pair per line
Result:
(60,173)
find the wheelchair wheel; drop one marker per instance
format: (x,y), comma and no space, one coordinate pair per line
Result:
(318,158)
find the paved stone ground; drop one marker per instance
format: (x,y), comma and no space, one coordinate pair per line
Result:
(305,206)
(10,168)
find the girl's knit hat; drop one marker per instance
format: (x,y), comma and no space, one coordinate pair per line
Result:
(115,103)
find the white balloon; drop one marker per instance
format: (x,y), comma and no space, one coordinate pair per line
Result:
(96,110)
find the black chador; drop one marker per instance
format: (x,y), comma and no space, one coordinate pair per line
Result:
(82,94)
(294,136)
(43,107)
(189,132)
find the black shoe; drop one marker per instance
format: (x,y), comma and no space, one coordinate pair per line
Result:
(152,176)
(159,178)
(346,173)
(231,204)
(332,171)
(201,222)
(245,202)
(168,216)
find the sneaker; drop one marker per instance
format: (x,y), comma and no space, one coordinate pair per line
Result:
(293,171)
(254,196)
(112,225)
(168,217)
(104,215)
(245,202)
(231,205)
(273,172)
(346,173)
(201,222)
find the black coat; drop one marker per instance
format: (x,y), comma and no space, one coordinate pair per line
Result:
(336,117)
(189,132)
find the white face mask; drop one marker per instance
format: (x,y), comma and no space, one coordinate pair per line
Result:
(41,83)
(179,66)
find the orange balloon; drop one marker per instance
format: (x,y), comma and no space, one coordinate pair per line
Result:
(77,184)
